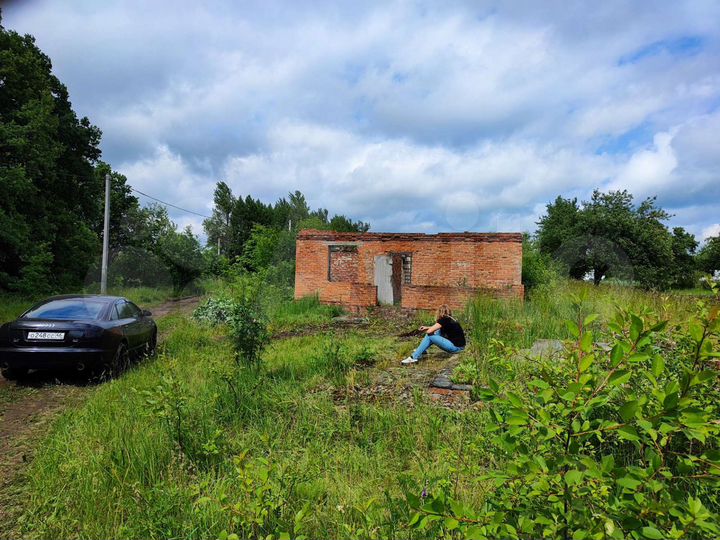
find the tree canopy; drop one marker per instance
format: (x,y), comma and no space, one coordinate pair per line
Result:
(49,190)
(610,236)
(260,235)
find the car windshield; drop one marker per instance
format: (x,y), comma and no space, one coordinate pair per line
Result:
(67,310)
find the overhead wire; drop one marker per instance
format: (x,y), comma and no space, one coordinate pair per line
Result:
(167,203)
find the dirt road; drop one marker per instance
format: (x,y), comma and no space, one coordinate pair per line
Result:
(27,409)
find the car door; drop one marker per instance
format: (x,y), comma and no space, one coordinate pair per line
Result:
(132,325)
(146,324)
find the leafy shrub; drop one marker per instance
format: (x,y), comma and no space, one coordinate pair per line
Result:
(214,310)
(245,320)
(249,332)
(258,504)
(537,268)
(616,440)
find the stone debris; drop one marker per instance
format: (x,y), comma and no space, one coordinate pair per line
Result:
(349,320)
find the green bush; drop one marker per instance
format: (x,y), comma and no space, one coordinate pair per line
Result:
(537,268)
(617,439)
(246,322)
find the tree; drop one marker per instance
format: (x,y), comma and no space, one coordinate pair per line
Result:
(709,256)
(182,255)
(608,236)
(235,221)
(684,263)
(217,227)
(48,187)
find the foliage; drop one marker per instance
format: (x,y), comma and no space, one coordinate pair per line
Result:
(182,256)
(48,189)
(246,322)
(537,268)
(614,440)
(258,504)
(267,247)
(609,236)
(264,234)
(263,444)
(709,256)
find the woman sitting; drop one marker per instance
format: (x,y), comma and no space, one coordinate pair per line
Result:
(446,333)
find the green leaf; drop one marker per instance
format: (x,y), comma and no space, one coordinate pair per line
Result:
(284,536)
(573,329)
(652,532)
(517,421)
(621,376)
(638,357)
(658,365)
(628,482)
(451,523)
(586,362)
(616,355)
(628,433)
(636,327)
(696,331)
(514,399)
(627,411)
(659,327)
(474,533)
(573,477)
(590,319)
(586,342)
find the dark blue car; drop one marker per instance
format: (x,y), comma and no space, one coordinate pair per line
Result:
(83,332)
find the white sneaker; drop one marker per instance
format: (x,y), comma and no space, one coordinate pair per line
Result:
(409,360)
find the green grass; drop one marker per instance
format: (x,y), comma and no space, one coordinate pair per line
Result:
(122,467)
(190,445)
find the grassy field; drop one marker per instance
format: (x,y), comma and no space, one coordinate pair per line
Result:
(189,445)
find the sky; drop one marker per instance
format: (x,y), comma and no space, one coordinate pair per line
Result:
(413,116)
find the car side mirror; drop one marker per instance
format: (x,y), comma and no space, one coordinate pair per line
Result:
(146,313)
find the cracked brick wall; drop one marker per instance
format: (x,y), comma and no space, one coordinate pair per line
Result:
(443,268)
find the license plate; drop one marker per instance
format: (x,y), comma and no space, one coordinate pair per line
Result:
(46,335)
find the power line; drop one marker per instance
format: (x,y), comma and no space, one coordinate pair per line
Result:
(167,203)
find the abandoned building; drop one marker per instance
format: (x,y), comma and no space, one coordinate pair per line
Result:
(418,271)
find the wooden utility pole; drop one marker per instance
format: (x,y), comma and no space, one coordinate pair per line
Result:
(106,237)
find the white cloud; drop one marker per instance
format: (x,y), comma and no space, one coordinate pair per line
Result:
(398,181)
(166,176)
(712,230)
(415,116)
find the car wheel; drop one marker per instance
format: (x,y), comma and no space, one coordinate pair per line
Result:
(118,364)
(13,374)
(151,345)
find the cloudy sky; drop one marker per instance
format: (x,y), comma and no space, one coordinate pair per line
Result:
(414,116)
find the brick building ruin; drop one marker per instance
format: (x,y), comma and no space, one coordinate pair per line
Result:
(417,271)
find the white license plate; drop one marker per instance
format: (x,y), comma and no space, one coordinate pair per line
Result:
(46,335)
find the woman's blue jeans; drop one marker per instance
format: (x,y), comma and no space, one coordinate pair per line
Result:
(435,339)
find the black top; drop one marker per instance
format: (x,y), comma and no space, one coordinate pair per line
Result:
(452,330)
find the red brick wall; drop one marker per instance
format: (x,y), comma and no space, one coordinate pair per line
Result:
(446,268)
(344,266)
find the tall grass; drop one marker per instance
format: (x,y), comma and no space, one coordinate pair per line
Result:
(498,327)
(190,445)
(155,453)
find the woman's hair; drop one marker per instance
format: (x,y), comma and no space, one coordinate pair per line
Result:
(443,311)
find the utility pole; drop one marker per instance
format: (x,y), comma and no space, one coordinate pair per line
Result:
(106,237)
